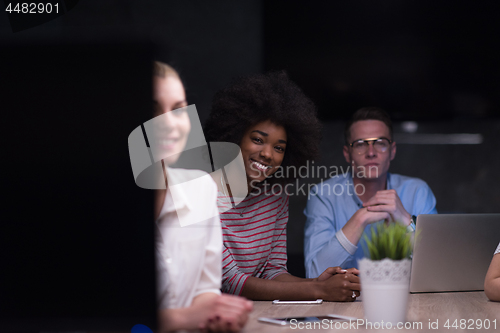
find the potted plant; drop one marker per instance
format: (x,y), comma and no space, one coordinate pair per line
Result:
(385,273)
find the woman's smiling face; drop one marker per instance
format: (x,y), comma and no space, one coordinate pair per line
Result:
(172,128)
(263,148)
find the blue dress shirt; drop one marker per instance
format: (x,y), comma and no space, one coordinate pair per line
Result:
(334,203)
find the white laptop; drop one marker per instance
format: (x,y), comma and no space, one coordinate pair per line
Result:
(453,251)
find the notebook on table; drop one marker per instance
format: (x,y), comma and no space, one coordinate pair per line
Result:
(453,251)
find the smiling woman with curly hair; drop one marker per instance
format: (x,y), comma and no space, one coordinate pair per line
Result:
(274,97)
(276,126)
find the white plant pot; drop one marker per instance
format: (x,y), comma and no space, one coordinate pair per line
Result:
(385,287)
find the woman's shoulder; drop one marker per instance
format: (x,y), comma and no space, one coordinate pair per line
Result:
(185,174)
(178,176)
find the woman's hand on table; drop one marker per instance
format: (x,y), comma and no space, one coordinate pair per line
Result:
(330,271)
(209,312)
(225,313)
(337,284)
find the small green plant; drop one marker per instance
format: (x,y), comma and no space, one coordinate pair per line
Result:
(388,241)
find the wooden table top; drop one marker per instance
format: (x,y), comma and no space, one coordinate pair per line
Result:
(471,310)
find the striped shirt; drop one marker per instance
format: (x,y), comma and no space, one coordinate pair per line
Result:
(254,234)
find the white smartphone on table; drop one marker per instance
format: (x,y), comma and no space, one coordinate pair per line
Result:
(288,320)
(277,301)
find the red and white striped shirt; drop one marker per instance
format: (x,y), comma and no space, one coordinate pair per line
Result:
(254,234)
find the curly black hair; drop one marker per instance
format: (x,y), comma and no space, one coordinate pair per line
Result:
(272,96)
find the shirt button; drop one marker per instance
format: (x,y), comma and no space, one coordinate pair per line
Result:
(169,260)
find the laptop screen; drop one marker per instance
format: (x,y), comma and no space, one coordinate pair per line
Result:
(446,243)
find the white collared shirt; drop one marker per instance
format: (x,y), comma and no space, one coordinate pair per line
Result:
(189,253)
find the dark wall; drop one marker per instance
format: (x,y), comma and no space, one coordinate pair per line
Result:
(209,43)
(417,59)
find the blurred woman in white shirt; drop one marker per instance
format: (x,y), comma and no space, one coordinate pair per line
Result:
(189,256)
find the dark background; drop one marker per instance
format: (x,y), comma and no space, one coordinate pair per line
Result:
(73,259)
(433,63)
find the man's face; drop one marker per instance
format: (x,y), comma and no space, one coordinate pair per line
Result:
(372,164)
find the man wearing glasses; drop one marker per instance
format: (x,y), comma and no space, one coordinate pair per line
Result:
(343,207)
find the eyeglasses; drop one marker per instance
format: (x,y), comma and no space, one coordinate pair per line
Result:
(381,145)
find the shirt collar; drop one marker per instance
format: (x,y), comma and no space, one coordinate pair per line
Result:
(177,177)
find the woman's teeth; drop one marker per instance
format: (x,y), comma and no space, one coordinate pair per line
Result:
(166,142)
(260,166)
